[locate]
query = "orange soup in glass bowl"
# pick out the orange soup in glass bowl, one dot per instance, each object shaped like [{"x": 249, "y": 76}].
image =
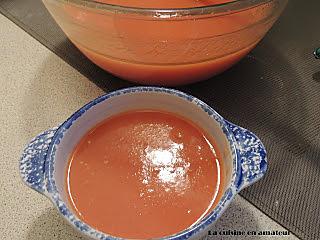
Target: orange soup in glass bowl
[{"x": 165, "y": 42}]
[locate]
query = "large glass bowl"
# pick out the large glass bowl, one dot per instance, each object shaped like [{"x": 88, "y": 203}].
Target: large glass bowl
[{"x": 165, "y": 46}]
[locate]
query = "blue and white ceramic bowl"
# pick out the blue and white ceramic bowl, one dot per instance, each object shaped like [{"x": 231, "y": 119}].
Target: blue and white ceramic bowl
[{"x": 44, "y": 161}]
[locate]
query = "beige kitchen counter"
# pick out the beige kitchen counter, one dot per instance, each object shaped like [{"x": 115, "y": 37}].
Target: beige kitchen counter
[{"x": 37, "y": 91}]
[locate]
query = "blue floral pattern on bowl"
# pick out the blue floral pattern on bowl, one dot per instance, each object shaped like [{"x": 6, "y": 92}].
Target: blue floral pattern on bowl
[{"x": 249, "y": 163}]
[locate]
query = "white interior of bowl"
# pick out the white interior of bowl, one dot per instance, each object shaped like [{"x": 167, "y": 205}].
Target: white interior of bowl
[{"x": 132, "y": 101}]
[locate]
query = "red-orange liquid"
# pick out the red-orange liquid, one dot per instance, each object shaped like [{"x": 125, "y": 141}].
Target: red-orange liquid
[
  {"x": 144, "y": 174},
  {"x": 163, "y": 50},
  {"x": 164, "y": 3}
]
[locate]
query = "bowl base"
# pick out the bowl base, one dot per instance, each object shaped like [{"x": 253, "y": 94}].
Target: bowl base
[{"x": 165, "y": 75}]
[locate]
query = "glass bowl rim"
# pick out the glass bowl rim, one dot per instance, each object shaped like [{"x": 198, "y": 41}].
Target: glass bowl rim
[{"x": 214, "y": 9}]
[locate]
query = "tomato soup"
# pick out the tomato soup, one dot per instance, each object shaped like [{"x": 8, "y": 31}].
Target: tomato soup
[
  {"x": 164, "y": 3},
  {"x": 144, "y": 174},
  {"x": 163, "y": 50}
]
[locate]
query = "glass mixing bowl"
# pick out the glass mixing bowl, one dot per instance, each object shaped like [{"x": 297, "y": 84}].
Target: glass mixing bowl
[{"x": 165, "y": 46}]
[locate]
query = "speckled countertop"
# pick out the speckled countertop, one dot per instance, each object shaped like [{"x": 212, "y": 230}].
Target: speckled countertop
[{"x": 37, "y": 91}]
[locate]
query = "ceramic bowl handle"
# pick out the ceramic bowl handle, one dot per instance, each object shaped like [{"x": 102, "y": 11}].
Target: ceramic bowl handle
[
  {"x": 252, "y": 156},
  {"x": 33, "y": 159}
]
